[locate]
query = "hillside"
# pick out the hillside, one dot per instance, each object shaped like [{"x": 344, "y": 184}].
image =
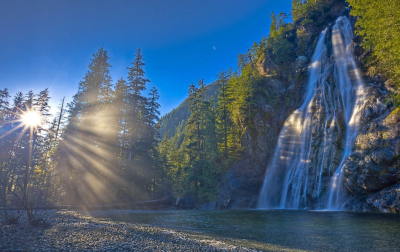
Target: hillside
[{"x": 179, "y": 116}]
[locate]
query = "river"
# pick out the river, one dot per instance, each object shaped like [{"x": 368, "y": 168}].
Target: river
[{"x": 280, "y": 229}]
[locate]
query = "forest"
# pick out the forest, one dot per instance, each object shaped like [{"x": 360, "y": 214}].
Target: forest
[{"x": 105, "y": 147}]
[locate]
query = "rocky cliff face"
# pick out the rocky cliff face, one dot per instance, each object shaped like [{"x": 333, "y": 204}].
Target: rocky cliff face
[
  {"x": 372, "y": 171},
  {"x": 245, "y": 177}
]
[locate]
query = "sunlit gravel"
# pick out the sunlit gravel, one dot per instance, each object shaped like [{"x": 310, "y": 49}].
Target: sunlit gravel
[{"x": 70, "y": 231}]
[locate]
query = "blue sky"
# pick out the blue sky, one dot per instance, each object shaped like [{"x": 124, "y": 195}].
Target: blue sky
[{"x": 49, "y": 43}]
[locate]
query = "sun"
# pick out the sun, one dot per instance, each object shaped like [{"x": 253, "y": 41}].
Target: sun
[{"x": 31, "y": 118}]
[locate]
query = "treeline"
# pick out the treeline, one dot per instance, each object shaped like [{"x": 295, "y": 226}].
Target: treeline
[{"x": 101, "y": 148}]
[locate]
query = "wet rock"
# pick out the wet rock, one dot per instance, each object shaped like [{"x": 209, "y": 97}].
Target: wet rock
[
  {"x": 267, "y": 108},
  {"x": 386, "y": 200},
  {"x": 242, "y": 185},
  {"x": 374, "y": 166},
  {"x": 301, "y": 62}
]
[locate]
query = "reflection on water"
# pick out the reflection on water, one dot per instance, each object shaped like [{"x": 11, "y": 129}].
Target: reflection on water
[{"x": 298, "y": 230}]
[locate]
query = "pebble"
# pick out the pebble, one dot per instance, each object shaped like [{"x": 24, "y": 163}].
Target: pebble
[{"x": 71, "y": 231}]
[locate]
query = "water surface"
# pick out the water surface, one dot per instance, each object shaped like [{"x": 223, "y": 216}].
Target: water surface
[{"x": 282, "y": 229}]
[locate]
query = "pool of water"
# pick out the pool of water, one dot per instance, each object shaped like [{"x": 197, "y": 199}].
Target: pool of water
[{"x": 282, "y": 229}]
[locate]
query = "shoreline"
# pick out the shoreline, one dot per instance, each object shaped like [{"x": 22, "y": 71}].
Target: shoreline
[{"x": 75, "y": 231}]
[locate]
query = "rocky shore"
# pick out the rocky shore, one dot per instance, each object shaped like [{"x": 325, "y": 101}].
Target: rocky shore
[{"x": 72, "y": 231}]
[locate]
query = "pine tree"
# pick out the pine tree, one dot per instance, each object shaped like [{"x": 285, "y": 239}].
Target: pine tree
[
  {"x": 41, "y": 146},
  {"x": 54, "y": 189},
  {"x": 152, "y": 140},
  {"x": 193, "y": 128},
  {"x": 274, "y": 25},
  {"x": 223, "y": 79},
  {"x": 87, "y": 154},
  {"x": 164, "y": 164},
  {"x": 136, "y": 84},
  {"x": 378, "y": 22},
  {"x": 122, "y": 107},
  {"x": 4, "y": 144},
  {"x": 4, "y": 95}
]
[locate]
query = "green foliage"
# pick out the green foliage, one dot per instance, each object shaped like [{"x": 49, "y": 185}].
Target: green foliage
[
  {"x": 310, "y": 11},
  {"x": 223, "y": 124},
  {"x": 169, "y": 122},
  {"x": 280, "y": 43},
  {"x": 303, "y": 40},
  {"x": 282, "y": 50},
  {"x": 207, "y": 175},
  {"x": 378, "y": 22}
]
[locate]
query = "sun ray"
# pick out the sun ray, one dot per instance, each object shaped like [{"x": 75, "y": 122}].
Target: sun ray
[{"x": 12, "y": 130}]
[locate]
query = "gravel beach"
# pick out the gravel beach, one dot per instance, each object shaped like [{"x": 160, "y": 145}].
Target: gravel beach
[{"x": 72, "y": 231}]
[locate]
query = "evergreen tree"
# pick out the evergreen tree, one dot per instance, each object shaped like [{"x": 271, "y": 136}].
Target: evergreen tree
[
  {"x": 87, "y": 155},
  {"x": 193, "y": 129},
  {"x": 273, "y": 29},
  {"x": 378, "y": 22},
  {"x": 122, "y": 107},
  {"x": 136, "y": 125},
  {"x": 223, "y": 79},
  {"x": 136, "y": 84}
]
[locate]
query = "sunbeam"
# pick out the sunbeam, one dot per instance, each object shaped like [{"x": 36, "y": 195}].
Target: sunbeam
[{"x": 31, "y": 118}]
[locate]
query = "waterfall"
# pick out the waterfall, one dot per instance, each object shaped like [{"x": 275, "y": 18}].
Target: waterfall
[
  {"x": 353, "y": 94},
  {"x": 307, "y": 151}
]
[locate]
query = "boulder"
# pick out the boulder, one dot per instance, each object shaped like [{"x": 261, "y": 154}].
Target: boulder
[
  {"x": 386, "y": 201},
  {"x": 266, "y": 66}
]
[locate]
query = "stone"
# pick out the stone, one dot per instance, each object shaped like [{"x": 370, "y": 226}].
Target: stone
[
  {"x": 301, "y": 62},
  {"x": 242, "y": 185},
  {"x": 386, "y": 200},
  {"x": 266, "y": 66},
  {"x": 374, "y": 166}
]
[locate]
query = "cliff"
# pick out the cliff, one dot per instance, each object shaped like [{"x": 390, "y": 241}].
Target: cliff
[{"x": 372, "y": 170}]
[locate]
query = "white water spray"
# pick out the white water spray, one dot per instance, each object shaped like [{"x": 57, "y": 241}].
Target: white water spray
[
  {"x": 296, "y": 172},
  {"x": 353, "y": 94}
]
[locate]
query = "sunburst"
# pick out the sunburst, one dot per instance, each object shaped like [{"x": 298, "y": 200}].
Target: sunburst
[
  {"x": 28, "y": 119},
  {"x": 31, "y": 118}
]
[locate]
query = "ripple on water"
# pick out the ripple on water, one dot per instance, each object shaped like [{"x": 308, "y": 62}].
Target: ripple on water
[{"x": 281, "y": 229}]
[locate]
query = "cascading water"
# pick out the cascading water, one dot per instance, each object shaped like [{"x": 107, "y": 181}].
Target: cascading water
[
  {"x": 286, "y": 177},
  {"x": 353, "y": 94},
  {"x": 307, "y": 150}
]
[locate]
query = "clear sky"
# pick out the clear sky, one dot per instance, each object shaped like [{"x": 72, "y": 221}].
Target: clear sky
[{"x": 48, "y": 43}]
